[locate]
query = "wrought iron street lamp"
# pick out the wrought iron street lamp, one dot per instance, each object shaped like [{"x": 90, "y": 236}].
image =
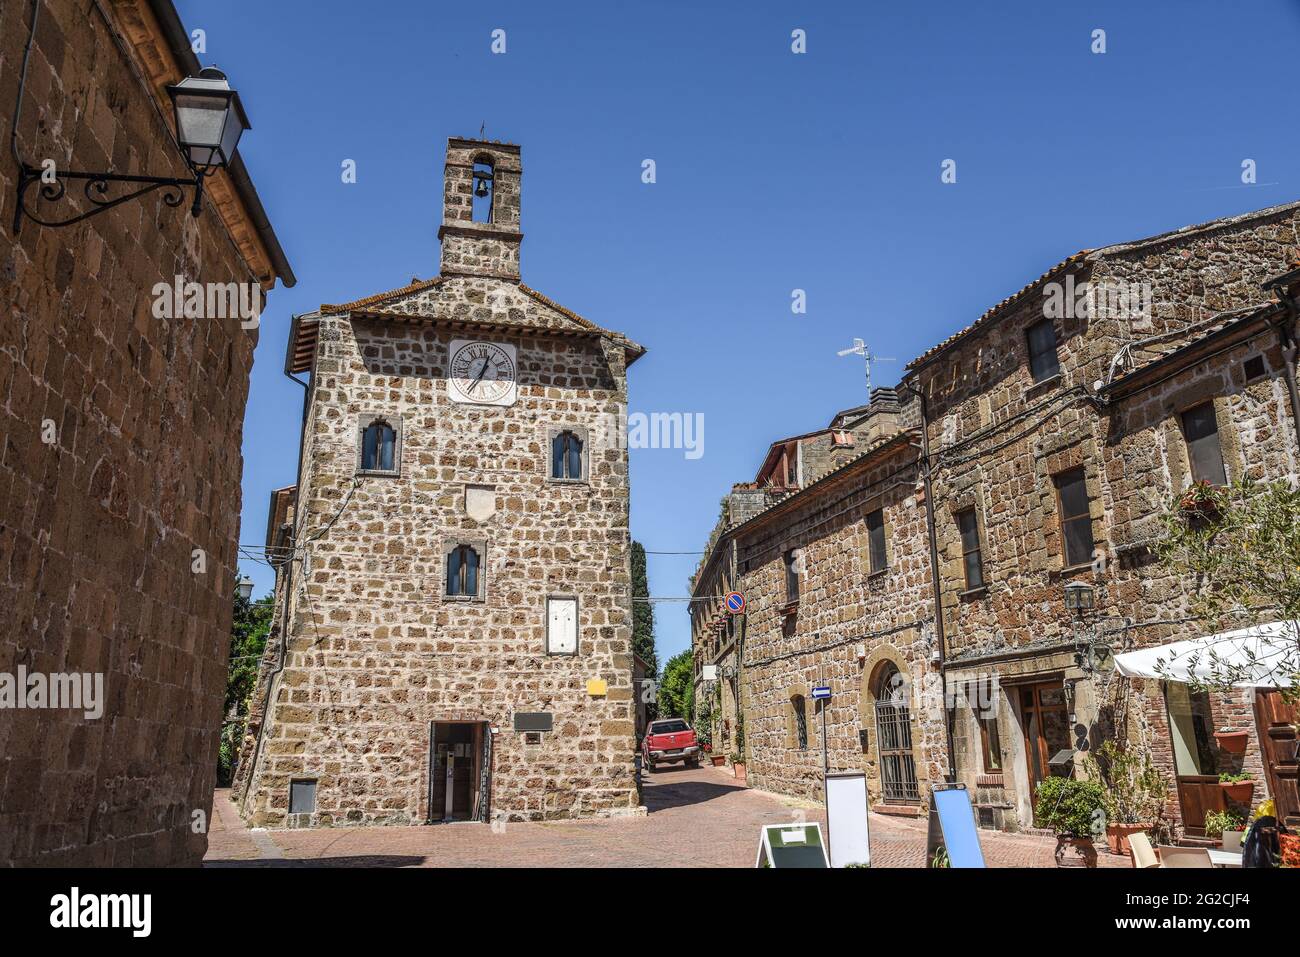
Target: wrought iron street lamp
[
  {"x": 209, "y": 122},
  {"x": 244, "y": 588},
  {"x": 1079, "y": 598}
]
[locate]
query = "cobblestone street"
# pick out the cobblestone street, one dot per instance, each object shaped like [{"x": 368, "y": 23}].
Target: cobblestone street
[{"x": 699, "y": 818}]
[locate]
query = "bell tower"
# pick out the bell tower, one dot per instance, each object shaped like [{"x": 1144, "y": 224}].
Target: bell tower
[{"x": 480, "y": 210}]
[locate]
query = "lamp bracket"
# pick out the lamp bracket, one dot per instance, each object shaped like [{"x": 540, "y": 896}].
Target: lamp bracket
[{"x": 96, "y": 191}]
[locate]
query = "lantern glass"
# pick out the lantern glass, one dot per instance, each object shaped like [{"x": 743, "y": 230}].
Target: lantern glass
[
  {"x": 245, "y": 588},
  {"x": 209, "y": 119},
  {"x": 1078, "y": 597}
]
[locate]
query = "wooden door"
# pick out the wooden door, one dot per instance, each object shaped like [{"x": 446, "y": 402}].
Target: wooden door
[
  {"x": 1275, "y": 722},
  {"x": 1045, "y": 720}
]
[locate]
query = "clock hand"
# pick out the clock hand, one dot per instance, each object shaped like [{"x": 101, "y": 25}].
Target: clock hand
[{"x": 479, "y": 378}]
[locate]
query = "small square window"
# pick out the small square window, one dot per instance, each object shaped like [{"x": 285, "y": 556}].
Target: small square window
[
  {"x": 1254, "y": 368},
  {"x": 302, "y": 797}
]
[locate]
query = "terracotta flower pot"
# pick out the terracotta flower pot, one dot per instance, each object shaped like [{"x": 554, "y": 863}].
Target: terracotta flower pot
[
  {"x": 1234, "y": 742},
  {"x": 1117, "y": 836},
  {"x": 719, "y": 760},
  {"x": 1075, "y": 852},
  {"x": 1239, "y": 791},
  {"x": 739, "y": 770}
]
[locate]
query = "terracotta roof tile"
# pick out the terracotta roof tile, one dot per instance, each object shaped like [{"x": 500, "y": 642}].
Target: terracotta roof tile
[{"x": 416, "y": 285}]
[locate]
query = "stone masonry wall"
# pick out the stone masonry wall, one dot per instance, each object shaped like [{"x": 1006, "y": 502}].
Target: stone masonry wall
[
  {"x": 1000, "y": 438},
  {"x": 98, "y": 527},
  {"x": 841, "y": 605},
  {"x": 376, "y": 652}
]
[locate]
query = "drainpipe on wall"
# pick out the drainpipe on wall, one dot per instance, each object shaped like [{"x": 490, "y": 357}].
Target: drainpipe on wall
[
  {"x": 288, "y": 580},
  {"x": 934, "y": 574}
]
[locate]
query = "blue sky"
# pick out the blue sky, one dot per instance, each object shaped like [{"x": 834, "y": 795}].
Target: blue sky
[{"x": 775, "y": 172}]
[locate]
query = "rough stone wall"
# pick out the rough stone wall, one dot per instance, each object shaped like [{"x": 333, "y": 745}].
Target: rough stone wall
[
  {"x": 98, "y": 529},
  {"x": 376, "y": 652},
  {"x": 841, "y": 605},
  {"x": 1000, "y": 439}
]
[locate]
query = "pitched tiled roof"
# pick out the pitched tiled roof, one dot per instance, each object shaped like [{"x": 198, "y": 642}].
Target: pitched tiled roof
[
  {"x": 1220, "y": 325},
  {"x": 303, "y": 333},
  {"x": 1095, "y": 254},
  {"x": 416, "y": 285},
  {"x": 903, "y": 436},
  {"x": 992, "y": 313}
]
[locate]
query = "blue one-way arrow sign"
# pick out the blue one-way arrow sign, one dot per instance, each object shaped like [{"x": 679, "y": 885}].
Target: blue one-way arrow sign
[{"x": 821, "y": 692}]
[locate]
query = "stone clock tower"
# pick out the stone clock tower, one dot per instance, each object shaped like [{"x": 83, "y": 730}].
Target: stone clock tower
[{"x": 453, "y": 624}]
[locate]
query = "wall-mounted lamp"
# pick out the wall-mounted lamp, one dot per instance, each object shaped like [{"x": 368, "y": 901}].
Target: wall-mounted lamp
[
  {"x": 209, "y": 122},
  {"x": 244, "y": 588},
  {"x": 1080, "y": 598}
]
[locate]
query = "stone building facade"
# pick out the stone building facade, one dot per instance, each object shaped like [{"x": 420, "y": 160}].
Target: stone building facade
[
  {"x": 453, "y": 619},
  {"x": 1057, "y": 434},
  {"x": 120, "y": 479}
]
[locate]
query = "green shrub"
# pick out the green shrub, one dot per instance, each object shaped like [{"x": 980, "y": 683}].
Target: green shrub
[
  {"x": 1226, "y": 778},
  {"x": 1070, "y": 807},
  {"x": 1216, "y": 822},
  {"x": 1134, "y": 792}
]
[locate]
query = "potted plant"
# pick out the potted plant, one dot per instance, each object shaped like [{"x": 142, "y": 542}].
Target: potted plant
[
  {"x": 1074, "y": 810},
  {"x": 1234, "y": 742},
  {"x": 1237, "y": 787},
  {"x": 1200, "y": 500},
  {"x": 738, "y": 767},
  {"x": 1218, "y": 822},
  {"x": 1133, "y": 792}
]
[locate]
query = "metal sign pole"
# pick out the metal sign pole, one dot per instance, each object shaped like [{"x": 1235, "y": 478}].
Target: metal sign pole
[{"x": 826, "y": 768}]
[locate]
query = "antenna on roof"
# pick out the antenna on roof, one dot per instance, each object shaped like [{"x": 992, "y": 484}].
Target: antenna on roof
[{"x": 860, "y": 349}]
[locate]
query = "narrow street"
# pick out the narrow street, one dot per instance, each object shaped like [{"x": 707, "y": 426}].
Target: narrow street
[{"x": 697, "y": 818}]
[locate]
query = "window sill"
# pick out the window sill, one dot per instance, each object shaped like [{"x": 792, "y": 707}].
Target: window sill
[
  {"x": 789, "y": 608},
  {"x": 552, "y": 480},
  {"x": 878, "y": 575},
  {"x": 970, "y": 594},
  {"x": 464, "y": 599},
  {"x": 378, "y": 473},
  {"x": 1069, "y": 571},
  {"x": 1046, "y": 385}
]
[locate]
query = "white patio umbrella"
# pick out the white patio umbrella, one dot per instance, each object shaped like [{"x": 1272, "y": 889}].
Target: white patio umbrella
[{"x": 1263, "y": 656}]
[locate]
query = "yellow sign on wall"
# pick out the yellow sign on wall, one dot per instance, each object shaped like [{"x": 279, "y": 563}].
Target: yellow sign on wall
[{"x": 597, "y": 687}]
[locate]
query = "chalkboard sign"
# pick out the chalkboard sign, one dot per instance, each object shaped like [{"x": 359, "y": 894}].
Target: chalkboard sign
[{"x": 791, "y": 845}]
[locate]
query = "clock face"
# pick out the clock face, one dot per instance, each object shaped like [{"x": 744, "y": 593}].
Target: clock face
[{"x": 482, "y": 373}]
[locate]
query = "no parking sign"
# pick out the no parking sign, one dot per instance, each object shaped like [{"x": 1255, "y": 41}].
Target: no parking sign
[{"x": 735, "y": 602}]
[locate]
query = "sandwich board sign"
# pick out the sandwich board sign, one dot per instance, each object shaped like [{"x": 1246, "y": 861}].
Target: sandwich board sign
[
  {"x": 951, "y": 809},
  {"x": 791, "y": 845},
  {"x": 846, "y": 819}
]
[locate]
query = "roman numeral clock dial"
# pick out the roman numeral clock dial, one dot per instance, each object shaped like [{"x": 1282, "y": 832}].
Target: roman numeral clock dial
[{"x": 482, "y": 373}]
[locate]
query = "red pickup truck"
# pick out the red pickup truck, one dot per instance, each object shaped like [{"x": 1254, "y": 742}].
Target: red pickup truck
[{"x": 669, "y": 740}]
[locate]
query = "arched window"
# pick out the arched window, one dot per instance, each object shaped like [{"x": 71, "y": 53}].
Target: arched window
[
  {"x": 484, "y": 190},
  {"x": 462, "y": 572},
  {"x": 800, "y": 722},
  {"x": 378, "y": 442},
  {"x": 894, "y": 737},
  {"x": 566, "y": 456}
]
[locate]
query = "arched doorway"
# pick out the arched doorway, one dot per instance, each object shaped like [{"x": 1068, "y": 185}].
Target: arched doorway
[{"x": 893, "y": 716}]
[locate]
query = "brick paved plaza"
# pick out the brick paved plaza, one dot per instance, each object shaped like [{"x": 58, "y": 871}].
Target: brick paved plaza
[{"x": 699, "y": 818}]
